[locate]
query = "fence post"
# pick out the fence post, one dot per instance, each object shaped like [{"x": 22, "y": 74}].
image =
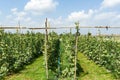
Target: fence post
[
  {"x": 46, "y": 46},
  {"x": 76, "y": 45}
]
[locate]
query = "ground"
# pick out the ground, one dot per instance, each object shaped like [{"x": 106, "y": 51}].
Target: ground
[
  {"x": 93, "y": 71},
  {"x": 36, "y": 71}
]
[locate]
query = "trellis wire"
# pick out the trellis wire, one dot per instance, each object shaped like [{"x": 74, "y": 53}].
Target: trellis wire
[{"x": 35, "y": 28}]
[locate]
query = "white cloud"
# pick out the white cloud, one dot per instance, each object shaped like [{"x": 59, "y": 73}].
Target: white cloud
[
  {"x": 94, "y": 18},
  {"x": 110, "y": 3},
  {"x": 105, "y": 15},
  {"x": 57, "y": 21},
  {"x": 40, "y": 6},
  {"x": 16, "y": 16},
  {"x": 80, "y": 15},
  {"x": 28, "y": 19},
  {"x": 118, "y": 16},
  {"x": 14, "y": 10},
  {"x": 107, "y": 18},
  {"x": 98, "y": 16},
  {"x": 19, "y": 14}
]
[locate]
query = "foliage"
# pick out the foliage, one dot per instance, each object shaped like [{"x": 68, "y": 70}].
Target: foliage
[
  {"x": 53, "y": 53},
  {"x": 67, "y": 56},
  {"x": 103, "y": 52},
  {"x": 17, "y": 50},
  {"x": 61, "y": 56}
]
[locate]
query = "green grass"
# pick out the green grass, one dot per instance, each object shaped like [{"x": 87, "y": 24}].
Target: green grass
[
  {"x": 93, "y": 71},
  {"x": 36, "y": 71}
]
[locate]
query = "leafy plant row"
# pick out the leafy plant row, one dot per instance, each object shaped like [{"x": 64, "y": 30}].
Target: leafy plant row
[
  {"x": 67, "y": 54},
  {"x": 53, "y": 55},
  {"x": 17, "y": 50},
  {"x": 61, "y": 56},
  {"x": 103, "y": 52}
]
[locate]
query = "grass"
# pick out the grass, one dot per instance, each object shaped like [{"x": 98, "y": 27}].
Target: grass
[
  {"x": 36, "y": 71},
  {"x": 93, "y": 71}
]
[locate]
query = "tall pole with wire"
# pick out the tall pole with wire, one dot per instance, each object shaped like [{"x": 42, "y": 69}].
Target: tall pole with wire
[
  {"x": 76, "y": 49},
  {"x": 46, "y": 43}
]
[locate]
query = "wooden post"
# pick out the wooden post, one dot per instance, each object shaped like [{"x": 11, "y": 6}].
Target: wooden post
[
  {"x": 49, "y": 27},
  {"x": 76, "y": 49},
  {"x": 18, "y": 27},
  {"x": 99, "y": 33},
  {"x": 46, "y": 43},
  {"x": 70, "y": 30}
]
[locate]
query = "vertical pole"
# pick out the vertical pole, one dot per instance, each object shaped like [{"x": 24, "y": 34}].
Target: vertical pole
[
  {"x": 19, "y": 24},
  {"x": 46, "y": 42},
  {"x": 70, "y": 30},
  {"x": 46, "y": 30},
  {"x": 76, "y": 49},
  {"x": 49, "y": 27},
  {"x": 18, "y": 27},
  {"x": 99, "y": 33}
]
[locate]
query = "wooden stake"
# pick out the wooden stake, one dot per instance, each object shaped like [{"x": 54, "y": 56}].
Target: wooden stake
[
  {"x": 76, "y": 49},
  {"x": 18, "y": 27},
  {"x": 46, "y": 42},
  {"x": 70, "y": 30}
]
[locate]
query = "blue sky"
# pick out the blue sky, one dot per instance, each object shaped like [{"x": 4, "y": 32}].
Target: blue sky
[{"x": 60, "y": 12}]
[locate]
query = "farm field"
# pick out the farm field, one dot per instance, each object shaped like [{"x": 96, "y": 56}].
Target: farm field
[
  {"x": 59, "y": 40},
  {"x": 89, "y": 71},
  {"x": 19, "y": 50}
]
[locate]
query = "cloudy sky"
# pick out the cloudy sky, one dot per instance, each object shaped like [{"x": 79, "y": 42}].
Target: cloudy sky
[{"x": 60, "y": 12}]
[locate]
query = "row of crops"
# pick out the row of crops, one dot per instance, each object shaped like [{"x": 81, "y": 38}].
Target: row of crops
[
  {"x": 102, "y": 51},
  {"x": 17, "y": 50},
  {"x": 61, "y": 57}
]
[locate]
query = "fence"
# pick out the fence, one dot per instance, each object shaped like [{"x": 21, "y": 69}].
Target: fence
[{"x": 46, "y": 28}]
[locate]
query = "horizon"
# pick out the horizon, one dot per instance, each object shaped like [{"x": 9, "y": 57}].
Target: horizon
[{"x": 61, "y": 13}]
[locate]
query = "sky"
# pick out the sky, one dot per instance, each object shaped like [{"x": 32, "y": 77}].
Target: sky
[{"x": 61, "y": 13}]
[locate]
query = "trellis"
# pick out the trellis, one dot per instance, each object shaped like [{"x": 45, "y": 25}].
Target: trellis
[{"x": 46, "y": 28}]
